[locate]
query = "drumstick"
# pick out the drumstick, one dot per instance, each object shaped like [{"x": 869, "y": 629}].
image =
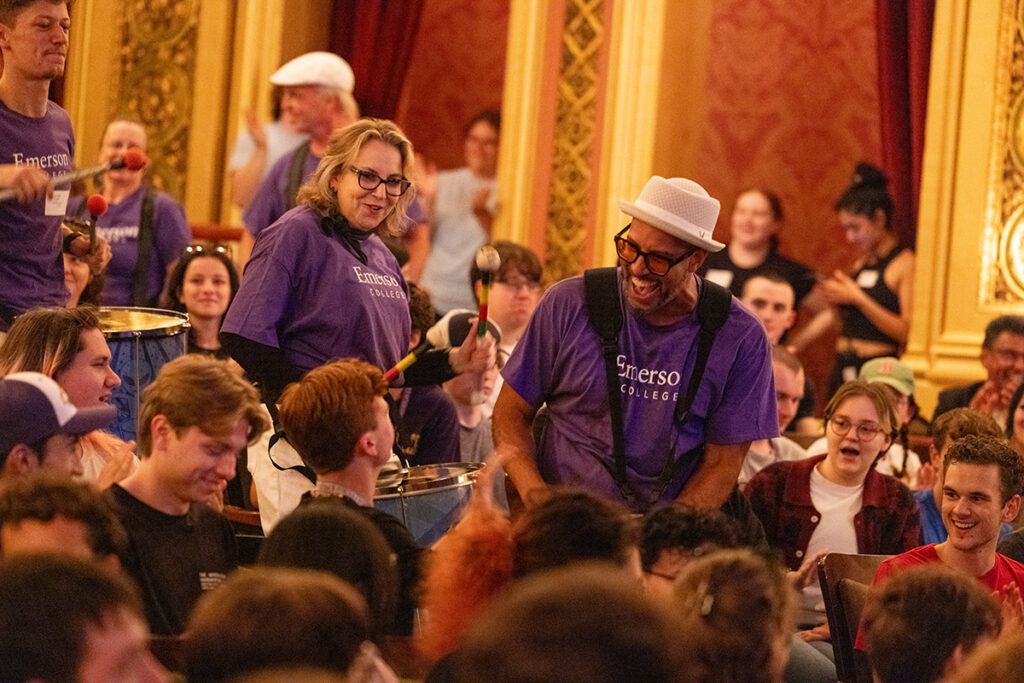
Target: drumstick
[
  {"x": 487, "y": 261},
  {"x": 401, "y": 365},
  {"x": 133, "y": 160},
  {"x": 97, "y": 206}
]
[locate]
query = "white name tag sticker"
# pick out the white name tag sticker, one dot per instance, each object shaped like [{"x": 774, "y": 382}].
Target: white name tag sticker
[
  {"x": 719, "y": 277},
  {"x": 57, "y": 205},
  {"x": 867, "y": 279}
]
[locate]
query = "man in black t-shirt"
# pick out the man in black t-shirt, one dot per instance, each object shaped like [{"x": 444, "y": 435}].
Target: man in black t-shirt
[
  {"x": 337, "y": 419},
  {"x": 196, "y": 417}
]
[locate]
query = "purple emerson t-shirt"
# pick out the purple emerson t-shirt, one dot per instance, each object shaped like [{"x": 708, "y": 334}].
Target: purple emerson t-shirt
[
  {"x": 270, "y": 202},
  {"x": 559, "y": 360},
  {"x": 305, "y": 293},
  {"x": 120, "y": 226},
  {"x": 31, "y": 267}
]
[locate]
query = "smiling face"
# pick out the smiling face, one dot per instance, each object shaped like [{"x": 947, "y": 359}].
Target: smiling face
[
  {"x": 972, "y": 507},
  {"x": 120, "y": 137},
  {"x": 305, "y": 107},
  {"x": 850, "y": 455},
  {"x": 1004, "y": 360},
  {"x": 35, "y": 43},
  {"x": 89, "y": 379},
  {"x": 195, "y": 465},
  {"x": 752, "y": 223},
  {"x": 367, "y": 209},
  {"x": 206, "y": 288},
  {"x": 482, "y": 150},
  {"x": 660, "y": 299},
  {"x": 76, "y": 276}
]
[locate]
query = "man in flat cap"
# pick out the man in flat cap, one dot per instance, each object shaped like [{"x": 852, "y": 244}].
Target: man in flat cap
[
  {"x": 317, "y": 98},
  {"x": 682, "y": 368}
]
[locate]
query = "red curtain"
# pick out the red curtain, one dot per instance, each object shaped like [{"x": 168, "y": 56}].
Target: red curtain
[
  {"x": 376, "y": 37},
  {"x": 904, "y": 55}
]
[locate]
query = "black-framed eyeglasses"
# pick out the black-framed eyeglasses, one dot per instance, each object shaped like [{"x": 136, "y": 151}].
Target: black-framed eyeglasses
[
  {"x": 659, "y": 264},
  {"x": 368, "y": 180},
  {"x": 866, "y": 431}
]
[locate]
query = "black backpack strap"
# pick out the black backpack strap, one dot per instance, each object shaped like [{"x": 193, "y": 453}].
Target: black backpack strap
[
  {"x": 713, "y": 307},
  {"x": 601, "y": 292},
  {"x": 278, "y": 434},
  {"x": 295, "y": 174},
  {"x": 145, "y": 249}
]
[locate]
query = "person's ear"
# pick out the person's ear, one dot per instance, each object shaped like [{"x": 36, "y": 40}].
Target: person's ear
[
  {"x": 366, "y": 444},
  {"x": 160, "y": 430},
  {"x": 1011, "y": 508},
  {"x": 790, "y": 320},
  {"x": 21, "y": 460}
]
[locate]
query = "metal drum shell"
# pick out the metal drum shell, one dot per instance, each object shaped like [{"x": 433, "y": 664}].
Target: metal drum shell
[
  {"x": 141, "y": 341},
  {"x": 428, "y": 499}
]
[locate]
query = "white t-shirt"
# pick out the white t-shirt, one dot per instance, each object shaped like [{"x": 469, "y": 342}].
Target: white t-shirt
[{"x": 835, "y": 533}]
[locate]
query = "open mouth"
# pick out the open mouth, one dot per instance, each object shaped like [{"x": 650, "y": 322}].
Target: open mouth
[
  {"x": 963, "y": 525},
  {"x": 850, "y": 452},
  {"x": 642, "y": 288}
]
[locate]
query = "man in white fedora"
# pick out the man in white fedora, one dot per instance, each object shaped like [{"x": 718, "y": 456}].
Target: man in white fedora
[
  {"x": 316, "y": 97},
  {"x": 682, "y": 438}
]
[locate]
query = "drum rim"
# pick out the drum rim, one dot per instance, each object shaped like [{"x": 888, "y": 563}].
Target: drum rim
[
  {"x": 182, "y": 324},
  {"x": 466, "y": 476}
]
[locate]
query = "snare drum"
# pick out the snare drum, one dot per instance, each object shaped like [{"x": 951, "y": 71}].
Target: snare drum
[
  {"x": 141, "y": 340},
  {"x": 429, "y": 499}
]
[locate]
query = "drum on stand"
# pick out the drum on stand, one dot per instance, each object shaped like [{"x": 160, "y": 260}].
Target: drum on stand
[
  {"x": 141, "y": 341},
  {"x": 429, "y": 499}
]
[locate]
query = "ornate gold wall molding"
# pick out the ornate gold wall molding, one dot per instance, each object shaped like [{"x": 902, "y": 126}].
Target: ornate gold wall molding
[
  {"x": 155, "y": 81},
  {"x": 1002, "y": 273},
  {"x": 575, "y": 137}
]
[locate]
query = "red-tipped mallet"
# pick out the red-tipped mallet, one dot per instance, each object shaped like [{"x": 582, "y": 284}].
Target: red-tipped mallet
[
  {"x": 97, "y": 206},
  {"x": 487, "y": 262},
  {"x": 133, "y": 160}
]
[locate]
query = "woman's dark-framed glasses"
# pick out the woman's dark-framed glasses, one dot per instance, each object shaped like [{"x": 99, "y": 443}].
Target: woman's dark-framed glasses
[
  {"x": 865, "y": 430},
  {"x": 368, "y": 180},
  {"x": 629, "y": 251}
]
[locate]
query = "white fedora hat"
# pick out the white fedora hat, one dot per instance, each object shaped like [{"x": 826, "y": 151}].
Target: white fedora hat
[
  {"x": 678, "y": 206},
  {"x": 316, "y": 68}
]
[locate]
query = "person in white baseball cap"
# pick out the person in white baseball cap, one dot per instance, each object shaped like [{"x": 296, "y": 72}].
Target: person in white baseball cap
[
  {"x": 40, "y": 427},
  {"x": 316, "y": 99},
  {"x": 689, "y": 373}
]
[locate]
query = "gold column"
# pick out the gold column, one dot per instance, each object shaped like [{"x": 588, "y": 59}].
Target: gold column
[{"x": 970, "y": 265}]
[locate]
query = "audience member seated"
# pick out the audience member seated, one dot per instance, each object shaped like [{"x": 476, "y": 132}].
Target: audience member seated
[
  {"x": 737, "y": 610},
  {"x": 484, "y": 552},
  {"x": 426, "y": 424},
  {"x": 83, "y": 276},
  {"x": 146, "y": 228},
  {"x": 514, "y": 294},
  {"x": 789, "y": 389},
  {"x": 337, "y": 419},
  {"x": 46, "y": 513},
  {"x": 1002, "y": 660},
  {"x": 271, "y": 618},
  {"x": 460, "y": 205},
  {"x": 924, "y": 621},
  {"x": 838, "y": 502},
  {"x": 68, "y": 346},
  {"x": 981, "y": 491},
  {"x": 1015, "y": 422},
  {"x": 335, "y": 539},
  {"x": 946, "y": 430},
  {"x": 1002, "y": 356},
  {"x": 66, "y": 619},
  {"x": 770, "y": 297},
  {"x": 202, "y": 284},
  {"x": 578, "y": 624},
  {"x": 40, "y": 429},
  {"x": 195, "y": 418},
  {"x": 897, "y": 379}
]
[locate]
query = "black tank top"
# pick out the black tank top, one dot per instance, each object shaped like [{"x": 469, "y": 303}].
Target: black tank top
[{"x": 871, "y": 279}]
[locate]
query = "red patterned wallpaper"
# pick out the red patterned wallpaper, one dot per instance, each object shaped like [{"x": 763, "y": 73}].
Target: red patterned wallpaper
[
  {"x": 457, "y": 69},
  {"x": 792, "y": 104}
]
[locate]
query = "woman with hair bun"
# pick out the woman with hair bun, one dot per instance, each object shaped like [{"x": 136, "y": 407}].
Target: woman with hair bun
[{"x": 874, "y": 304}]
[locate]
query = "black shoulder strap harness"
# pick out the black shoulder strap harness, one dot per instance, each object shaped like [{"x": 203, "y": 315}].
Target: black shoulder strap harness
[
  {"x": 278, "y": 434},
  {"x": 295, "y": 174},
  {"x": 604, "y": 309},
  {"x": 145, "y": 250}
]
